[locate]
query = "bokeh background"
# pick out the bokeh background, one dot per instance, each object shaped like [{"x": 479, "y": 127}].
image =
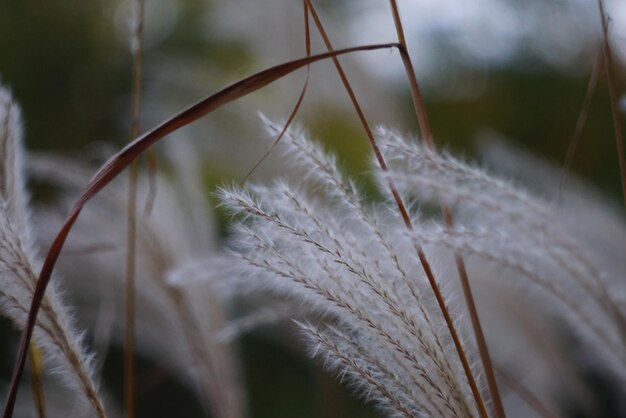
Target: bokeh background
[{"x": 489, "y": 68}]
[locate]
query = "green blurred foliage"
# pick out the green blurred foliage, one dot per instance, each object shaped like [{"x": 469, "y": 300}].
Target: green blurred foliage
[
  {"x": 536, "y": 111},
  {"x": 61, "y": 60},
  {"x": 294, "y": 389}
]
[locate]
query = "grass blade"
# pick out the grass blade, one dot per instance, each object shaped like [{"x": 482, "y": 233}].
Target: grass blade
[
  {"x": 131, "y": 237},
  {"x": 422, "y": 117},
  {"x": 582, "y": 120},
  {"x": 610, "y": 72},
  {"x": 294, "y": 111},
  {"x": 111, "y": 169}
]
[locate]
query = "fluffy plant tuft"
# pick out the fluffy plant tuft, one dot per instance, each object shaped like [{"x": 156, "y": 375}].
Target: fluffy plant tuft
[
  {"x": 353, "y": 262},
  {"x": 19, "y": 266},
  {"x": 519, "y": 233}
]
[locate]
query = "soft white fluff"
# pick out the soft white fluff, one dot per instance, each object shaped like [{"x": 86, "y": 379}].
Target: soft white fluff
[
  {"x": 19, "y": 266},
  {"x": 341, "y": 257},
  {"x": 177, "y": 313},
  {"x": 517, "y": 231},
  {"x": 355, "y": 263}
]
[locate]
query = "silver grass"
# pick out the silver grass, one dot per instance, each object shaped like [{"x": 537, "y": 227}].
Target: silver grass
[
  {"x": 177, "y": 316},
  {"x": 353, "y": 262},
  {"x": 603, "y": 230},
  {"x": 19, "y": 267},
  {"x": 256, "y": 307},
  {"x": 350, "y": 262},
  {"x": 518, "y": 232}
]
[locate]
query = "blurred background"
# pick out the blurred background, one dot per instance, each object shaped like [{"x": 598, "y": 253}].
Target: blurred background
[{"x": 516, "y": 70}]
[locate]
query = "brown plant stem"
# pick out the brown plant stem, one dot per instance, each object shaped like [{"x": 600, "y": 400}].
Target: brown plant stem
[
  {"x": 526, "y": 395},
  {"x": 619, "y": 142},
  {"x": 610, "y": 73},
  {"x": 582, "y": 120},
  {"x": 294, "y": 111},
  {"x": 416, "y": 95},
  {"x": 422, "y": 117},
  {"x": 131, "y": 237},
  {"x": 402, "y": 207},
  {"x": 122, "y": 159}
]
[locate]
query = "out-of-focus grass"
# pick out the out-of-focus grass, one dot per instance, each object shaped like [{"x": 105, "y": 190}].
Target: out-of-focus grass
[{"x": 71, "y": 74}]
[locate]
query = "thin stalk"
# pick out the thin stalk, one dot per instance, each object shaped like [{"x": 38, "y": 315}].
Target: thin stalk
[
  {"x": 294, "y": 111},
  {"x": 610, "y": 73},
  {"x": 200, "y": 355},
  {"x": 131, "y": 237},
  {"x": 416, "y": 95},
  {"x": 422, "y": 117},
  {"x": 123, "y": 158},
  {"x": 404, "y": 212},
  {"x": 582, "y": 119},
  {"x": 620, "y": 319},
  {"x": 131, "y": 255}
]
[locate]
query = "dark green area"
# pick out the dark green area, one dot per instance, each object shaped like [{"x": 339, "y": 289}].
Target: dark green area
[
  {"x": 158, "y": 393},
  {"x": 287, "y": 384},
  {"x": 62, "y": 62},
  {"x": 538, "y": 113}
]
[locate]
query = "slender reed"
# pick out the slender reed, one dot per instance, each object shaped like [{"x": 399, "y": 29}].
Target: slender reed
[
  {"x": 53, "y": 332},
  {"x": 111, "y": 169},
  {"x": 131, "y": 238},
  {"x": 400, "y": 203},
  {"x": 422, "y": 117},
  {"x": 617, "y": 121}
]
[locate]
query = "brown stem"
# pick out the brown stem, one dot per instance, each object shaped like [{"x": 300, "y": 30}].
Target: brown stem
[
  {"x": 422, "y": 117},
  {"x": 582, "y": 119},
  {"x": 416, "y": 95},
  {"x": 617, "y": 124},
  {"x": 294, "y": 111},
  {"x": 131, "y": 237},
  {"x": 111, "y": 169},
  {"x": 402, "y": 207}
]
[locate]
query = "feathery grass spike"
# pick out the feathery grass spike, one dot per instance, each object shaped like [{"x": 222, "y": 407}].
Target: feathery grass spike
[
  {"x": 53, "y": 331},
  {"x": 117, "y": 163},
  {"x": 339, "y": 257}
]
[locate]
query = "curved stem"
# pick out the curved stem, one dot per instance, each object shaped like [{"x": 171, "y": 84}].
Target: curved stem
[{"x": 114, "y": 166}]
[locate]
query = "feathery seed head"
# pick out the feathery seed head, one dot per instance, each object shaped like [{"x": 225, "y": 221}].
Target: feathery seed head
[
  {"x": 356, "y": 263},
  {"x": 19, "y": 265},
  {"x": 337, "y": 255}
]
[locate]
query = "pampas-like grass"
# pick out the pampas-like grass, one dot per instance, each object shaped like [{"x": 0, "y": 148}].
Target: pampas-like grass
[
  {"x": 348, "y": 259},
  {"x": 341, "y": 258},
  {"x": 177, "y": 314},
  {"x": 321, "y": 243},
  {"x": 517, "y": 231},
  {"x": 19, "y": 266}
]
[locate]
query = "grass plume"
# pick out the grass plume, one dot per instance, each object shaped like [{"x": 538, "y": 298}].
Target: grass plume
[{"x": 54, "y": 331}]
